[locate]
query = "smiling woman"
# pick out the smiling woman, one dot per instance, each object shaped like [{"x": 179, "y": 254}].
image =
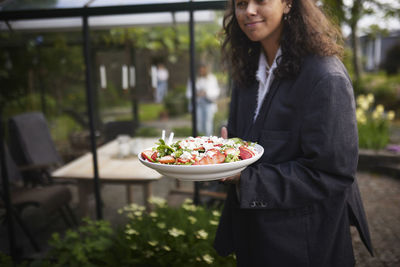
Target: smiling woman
[
  {"x": 291, "y": 95},
  {"x": 310, "y": 30}
]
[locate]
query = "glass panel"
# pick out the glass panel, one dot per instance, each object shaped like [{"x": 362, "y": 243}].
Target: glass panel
[
  {"x": 132, "y": 2},
  {"x": 42, "y": 4},
  {"x": 45, "y": 69},
  {"x": 150, "y": 19},
  {"x": 44, "y": 24},
  {"x": 50, "y": 4}
]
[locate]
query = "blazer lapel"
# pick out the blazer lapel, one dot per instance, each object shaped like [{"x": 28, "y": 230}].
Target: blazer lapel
[
  {"x": 262, "y": 115},
  {"x": 250, "y": 100}
]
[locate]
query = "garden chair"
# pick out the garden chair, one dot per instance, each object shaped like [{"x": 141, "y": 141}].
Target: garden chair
[
  {"x": 50, "y": 199},
  {"x": 114, "y": 128},
  {"x": 31, "y": 144}
]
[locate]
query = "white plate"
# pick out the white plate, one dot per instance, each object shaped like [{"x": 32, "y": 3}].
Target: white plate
[{"x": 203, "y": 172}]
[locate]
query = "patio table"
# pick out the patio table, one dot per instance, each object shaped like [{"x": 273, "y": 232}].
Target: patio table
[{"x": 112, "y": 169}]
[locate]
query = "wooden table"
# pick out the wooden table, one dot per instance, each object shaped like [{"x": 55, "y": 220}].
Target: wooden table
[{"x": 112, "y": 169}]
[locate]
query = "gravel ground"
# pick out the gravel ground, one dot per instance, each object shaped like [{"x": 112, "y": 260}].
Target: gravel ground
[{"x": 381, "y": 197}]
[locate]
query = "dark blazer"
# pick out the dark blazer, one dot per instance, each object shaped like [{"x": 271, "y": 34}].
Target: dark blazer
[{"x": 298, "y": 201}]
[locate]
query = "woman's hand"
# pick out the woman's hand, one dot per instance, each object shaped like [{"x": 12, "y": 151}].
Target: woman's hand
[
  {"x": 233, "y": 179},
  {"x": 224, "y": 132}
]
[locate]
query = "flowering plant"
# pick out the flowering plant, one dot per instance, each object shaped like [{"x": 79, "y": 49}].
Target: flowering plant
[
  {"x": 171, "y": 236},
  {"x": 373, "y": 123},
  {"x": 166, "y": 236}
]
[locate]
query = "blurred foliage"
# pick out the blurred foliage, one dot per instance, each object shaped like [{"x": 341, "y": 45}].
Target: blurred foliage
[
  {"x": 89, "y": 245},
  {"x": 173, "y": 39},
  {"x": 63, "y": 126},
  {"x": 148, "y": 132},
  {"x": 384, "y": 88},
  {"x": 182, "y": 131},
  {"x": 29, "y": 68},
  {"x": 150, "y": 111},
  {"x": 175, "y": 102},
  {"x": 351, "y": 12}
]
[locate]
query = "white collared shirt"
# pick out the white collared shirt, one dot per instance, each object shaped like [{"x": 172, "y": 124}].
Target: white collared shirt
[{"x": 265, "y": 76}]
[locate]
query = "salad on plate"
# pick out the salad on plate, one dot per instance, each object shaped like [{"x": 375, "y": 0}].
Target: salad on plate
[{"x": 202, "y": 150}]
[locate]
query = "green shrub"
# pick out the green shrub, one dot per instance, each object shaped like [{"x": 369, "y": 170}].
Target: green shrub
[
  {"x": 148, "y": 132},
  {"x": 171, "y": 236},
  {"x": 62, "y": 127},
  {"x": 182, "y": 131},
  {"x": 175, "y": 102},
  {"x": 90, "y": 245},
  {"x": 164, "y": 237},
  {"x": 373, "y": 123},
  {"x": 150, "y": 111}
]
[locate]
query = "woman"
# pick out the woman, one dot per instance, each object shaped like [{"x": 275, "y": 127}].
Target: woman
[{"x": 293, "y": 96}]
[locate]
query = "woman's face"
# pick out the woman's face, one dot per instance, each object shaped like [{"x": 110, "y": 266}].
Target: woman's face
[{"x": 261, "y": 20}]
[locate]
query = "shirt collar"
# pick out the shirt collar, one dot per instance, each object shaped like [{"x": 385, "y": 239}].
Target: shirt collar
[{"x": 263, "y": 66}]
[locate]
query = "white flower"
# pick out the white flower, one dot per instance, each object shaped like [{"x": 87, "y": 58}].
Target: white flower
[
  {"x": 189, "y": 207},
  {"x": 391, "y": 115},
  {"x": 208, "y": 259},
  {"x": 175, "y": 232},
  {"x": 201, "y": 234},
  {"x": 153, "y": 214},
  {"x": 131, "y": 232},
  {"x": 153, "y": 243},
  {"x": 376, "y": 115},
  {"x": 360, "y": 112},
  {"x": 380, "y": 109},
  {"x": 360, "y": 115},
  {"x": 133, "y": 207},
  {"x": 216, "y": 213},
  {"x": 362, "y": 120},
  {"x": 192, "y": 219},
  {"x": 166, "y": 248},
  {"x": 158, "y": 201},
  {"x": 188, "y": 201},
  {"x": 363, "y": 102},
  {"x": 138, "y": 213},
  {"x": 212, "y": 222},
  {"x": 370, "y": 98}
]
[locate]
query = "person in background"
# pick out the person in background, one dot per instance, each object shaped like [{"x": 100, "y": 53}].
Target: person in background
[
  {"x": 293, "y": 96},
  {"x": 207, "y": 92},
  {"x": 162, "y": 76}
]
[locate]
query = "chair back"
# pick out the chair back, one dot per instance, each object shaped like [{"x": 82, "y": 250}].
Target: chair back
[
  {"x": 30, "y": 140},
  {"x": 114, "y": 128},
  {"x": 13, "y": 174}
]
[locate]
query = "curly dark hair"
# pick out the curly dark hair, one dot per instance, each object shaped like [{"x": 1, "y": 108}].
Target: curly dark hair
[{"x": 306, "y": 31}]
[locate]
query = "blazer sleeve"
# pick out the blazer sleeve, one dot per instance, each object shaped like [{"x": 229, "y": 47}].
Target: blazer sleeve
[{"x": 329, "y": 153}]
